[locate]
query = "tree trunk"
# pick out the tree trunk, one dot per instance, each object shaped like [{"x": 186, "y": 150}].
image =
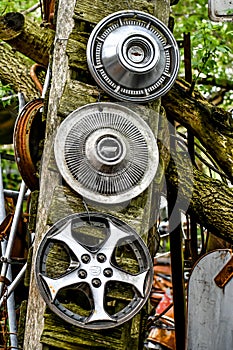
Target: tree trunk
[{"x": 49, "y": 179}]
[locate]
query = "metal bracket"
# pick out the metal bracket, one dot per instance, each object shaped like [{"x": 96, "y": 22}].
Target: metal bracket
[{"x": 225, "y": 274}]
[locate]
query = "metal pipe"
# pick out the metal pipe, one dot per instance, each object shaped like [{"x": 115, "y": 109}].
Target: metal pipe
[
  {"x": 2, "y": 201},
  {"x": 46, "y": 82},
  {"x": 14, "y": 194},
  {"x": 12, "y": 234},
  {"x": 176, "y": 247},
  {"x": 11, "y": 300},
  {"x": 178, "y": 287},
  {"x": 13, "y": 284}
]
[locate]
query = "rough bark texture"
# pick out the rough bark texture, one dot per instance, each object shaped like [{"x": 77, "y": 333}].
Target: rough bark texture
[
  {"x": 16, "y": 72},
  {"x": 27, "y": 37},
  {"x": 211, "y": 125},
  {"x": 212, "y": 207}
]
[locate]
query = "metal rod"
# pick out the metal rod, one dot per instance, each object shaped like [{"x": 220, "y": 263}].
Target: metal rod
[
  {"x": 11, "y": 307},
  {"x": 14, "y": 194},
  {"x": 191, "y": 142},
  {"x": 12, "y": 234},
  {"x": 11, "y": 300},
  {"x": 14, "y": 284},
  {"x": 47, "y": 82},
  {"x": 176, "y": 246},
  {"x": 178, "y": 287}
]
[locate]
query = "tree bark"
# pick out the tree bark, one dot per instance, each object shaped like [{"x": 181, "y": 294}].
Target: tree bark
[
  {"x": 27, "y": 37},
  {"x": 211, "y": 125},
  {"x": 16, "y": 72},
  {"x": 49, "y": 179},
  {"x": 208, "y": 199}
]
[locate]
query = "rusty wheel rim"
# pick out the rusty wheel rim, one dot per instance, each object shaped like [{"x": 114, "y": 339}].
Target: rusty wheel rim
[{"x": 28, "y": 133}]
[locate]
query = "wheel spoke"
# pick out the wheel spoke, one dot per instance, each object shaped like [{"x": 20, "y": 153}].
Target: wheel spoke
[
  {"x": 54, "y": 285},
  {"x": 115, "y": 235},
  {"x": 65, "y": 235},
  {"x": 138, "y": 281},
  {"x": 99, "y": 313}
]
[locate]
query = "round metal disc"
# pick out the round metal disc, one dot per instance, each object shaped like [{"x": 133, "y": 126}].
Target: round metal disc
[
  {"x": 133, "y": 56},
  {"x": 106, "y": 152},
  {"x": 93, "y": 270}
]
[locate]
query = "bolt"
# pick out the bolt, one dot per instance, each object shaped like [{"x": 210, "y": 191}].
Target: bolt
[
  {"x": 101, "y": 258},
  {"x": 96, "y": 282},
  {"x": 82, "y": 274},
  {"x": 85, "y": 258},
  {"x": 108, "y": 272}
]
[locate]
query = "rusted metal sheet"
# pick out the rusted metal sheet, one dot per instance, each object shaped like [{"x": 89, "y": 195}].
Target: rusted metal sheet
[
  {"x": 210, "y": 308},
  {"x": 220, "y": 10}
]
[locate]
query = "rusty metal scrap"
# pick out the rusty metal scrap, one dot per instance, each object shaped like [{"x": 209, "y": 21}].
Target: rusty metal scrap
[
  {"x": 34, "y": 74},
  {"x": 225, "y": 274},
  {"x": 26, "y": 144}
]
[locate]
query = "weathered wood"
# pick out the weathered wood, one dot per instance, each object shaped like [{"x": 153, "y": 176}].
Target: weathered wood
[
  {"x": 49, "y": 179},
  {"x": 93, "y": 11},
  {"x": 210, "y": 310}
]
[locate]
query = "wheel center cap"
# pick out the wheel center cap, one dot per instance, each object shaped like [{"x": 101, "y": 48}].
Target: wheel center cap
[
  {"x": 109, "y": 149},
  {"x": 136, "y": 54}
]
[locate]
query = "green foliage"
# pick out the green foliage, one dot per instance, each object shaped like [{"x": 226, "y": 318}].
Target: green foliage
[
  {"x": 15, "y": 6},
  {"x": 212, "y": 52},
  {"x": 5, "y": 92},
  {"x": 10, "y": 174}
]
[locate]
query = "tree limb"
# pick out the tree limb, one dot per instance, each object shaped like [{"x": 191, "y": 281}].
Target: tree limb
[
  {"x": 210, "y": 199},
  {"x": 211, "y": 125},
  {"x": 27, "y": 37},
  {"x": 222, "y": 83},
  {"x": 16, "y": 72}
]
